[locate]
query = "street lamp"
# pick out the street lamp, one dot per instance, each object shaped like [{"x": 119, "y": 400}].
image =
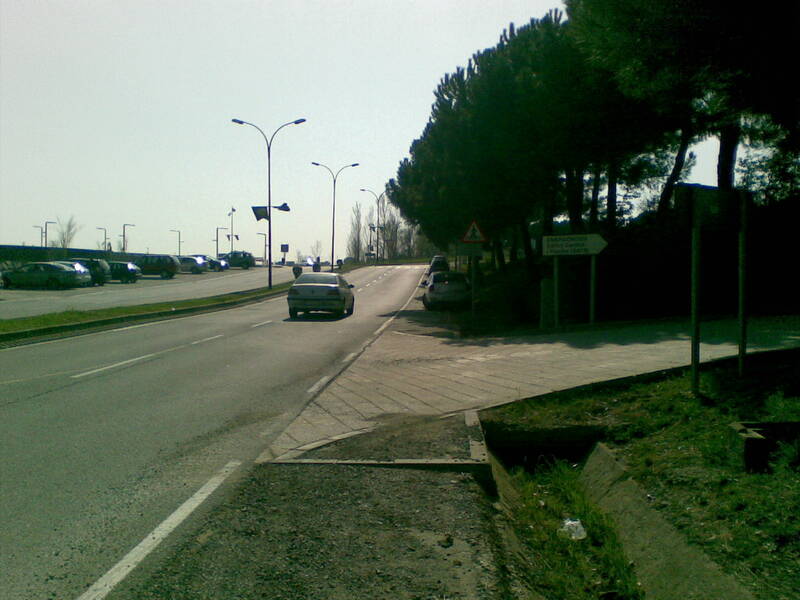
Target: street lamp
[
  {"x": 268, "y": 140},
  {"x": 41, "y": 233},
  {"x": 105, "y": 238},
  {"x": 179, "y": 239},
  {"x": 46, "y": 223},
  {"x": 333, "y": 227},
  {"x": 124, "y": 236},
  {"x": 265, "y": 245},
  {"x": 377, "y": 221},
  {"x": 216, "y": 240}
]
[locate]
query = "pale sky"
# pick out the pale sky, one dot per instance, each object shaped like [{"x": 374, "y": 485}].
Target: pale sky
[{"x": 119, "y": 111}]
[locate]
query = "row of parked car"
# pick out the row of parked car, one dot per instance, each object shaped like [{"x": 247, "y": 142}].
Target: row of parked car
[
  {"x": 445, "y": 288},
  {"x": 75, "y": 272}
]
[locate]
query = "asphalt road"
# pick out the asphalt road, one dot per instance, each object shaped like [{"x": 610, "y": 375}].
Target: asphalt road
[
  {"x": 16, "y": 303},
  {"x": 103, "y": 436}
]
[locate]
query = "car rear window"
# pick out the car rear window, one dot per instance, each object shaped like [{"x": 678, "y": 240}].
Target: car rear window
[
  {"x": 443, "y": 276},
  {"x": 329, "y": 278}
]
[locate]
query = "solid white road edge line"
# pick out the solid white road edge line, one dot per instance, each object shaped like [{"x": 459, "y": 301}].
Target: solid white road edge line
[
  {"x": 314, "y": 388},
  {"x": 103, "y": 586}
]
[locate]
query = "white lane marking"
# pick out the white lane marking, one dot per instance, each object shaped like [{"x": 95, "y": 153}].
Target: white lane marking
[
  {"x": 316, "y": 387},
  {"x": 130, "y": 360},
  {"x": 138, "y": 326},
  {"x": 119, "y": 364},
  {"x": 103, "y": 586},
  {"x": 262, "y": 323},
  {"x": 394, "y": 316},
  {"x": 208, "y": 339}
]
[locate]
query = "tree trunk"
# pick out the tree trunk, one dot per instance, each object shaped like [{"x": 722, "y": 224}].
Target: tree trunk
[
  {"x": 677, "y": 168},
  {"x": 593, "y": 207},
  {"x": 729, "y": 136},
  {"x": 575, "y": 200},
  {"x": 530, "y": 264},
  {"x": 611, "y": 200},
  {"x": 499, "y": 255}
]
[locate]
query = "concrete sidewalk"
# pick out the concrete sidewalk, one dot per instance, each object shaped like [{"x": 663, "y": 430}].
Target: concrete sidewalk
[{"x": 418, "y": 368}]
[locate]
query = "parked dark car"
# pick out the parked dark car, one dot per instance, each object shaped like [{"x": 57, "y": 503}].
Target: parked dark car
[
  {"x": 163, "y": 265},
  {"x": 126, "y": 272},
  {"x": 51, "y": 275},
  {"x": 239, "y": 258},
  {"x": 215, "y": 264},
  {"x": 98, "y": 269},
  {"x": 193, "y": 264}
]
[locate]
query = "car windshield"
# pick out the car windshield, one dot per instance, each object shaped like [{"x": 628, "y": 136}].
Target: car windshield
[{"x": 329, "y": 278}]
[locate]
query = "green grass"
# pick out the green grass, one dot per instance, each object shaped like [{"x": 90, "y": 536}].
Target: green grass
[
  {"x": 558, "y": 566},
  {"x": 680, "y": 450},
  {"x": 75, "y": 317}
]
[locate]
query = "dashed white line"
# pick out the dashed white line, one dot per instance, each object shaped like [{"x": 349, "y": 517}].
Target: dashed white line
[
  {"x": 103, "y": 586},
  {"x": 107, "y": 367},
  {"x": 208, "y": 339},
  {"x": 262, "y": 323}
]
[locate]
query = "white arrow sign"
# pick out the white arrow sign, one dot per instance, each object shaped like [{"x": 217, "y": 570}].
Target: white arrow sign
[{"x": 573, "y": 245}]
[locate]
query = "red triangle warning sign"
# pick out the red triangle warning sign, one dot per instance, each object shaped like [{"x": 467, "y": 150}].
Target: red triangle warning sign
[{"x": 474, "y": 235}]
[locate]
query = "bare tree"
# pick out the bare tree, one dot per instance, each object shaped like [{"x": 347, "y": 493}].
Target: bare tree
[
  {"x": 66, "y": 232},
  {"x": 316, "y": 250},
  {"x": 355, "y": 242}
]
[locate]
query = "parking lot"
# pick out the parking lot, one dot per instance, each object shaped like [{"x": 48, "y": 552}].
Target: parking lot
[{"x": 150, "y": 289}]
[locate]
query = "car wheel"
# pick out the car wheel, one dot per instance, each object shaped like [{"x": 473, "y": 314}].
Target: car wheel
[
  {"x": 352, "y": 308},
  {"x": 292, "y": 313},
  {"x": 165, "y": 274}
]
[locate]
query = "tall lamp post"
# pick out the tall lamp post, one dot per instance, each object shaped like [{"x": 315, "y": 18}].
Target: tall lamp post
[
  {"x": 105, "y": 238},
  {"x": 377, "y": 221},
  {"x": 46, "y": 223},
  {"x": 179, "y": 239},
  {"x": 333, "y": 226},
  {"x": 265, "y": 244},
  {"x": 216, "y": 239},
  {"x": 268, "y": 140},
  {"x": 125, "y": 236}
]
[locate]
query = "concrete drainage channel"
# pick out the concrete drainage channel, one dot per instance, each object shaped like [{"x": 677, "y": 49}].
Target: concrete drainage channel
[{"x": 666, "y": 566}]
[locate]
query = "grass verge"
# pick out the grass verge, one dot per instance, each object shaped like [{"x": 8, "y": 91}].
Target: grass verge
[
  {"x": 76, "y": 317},
  {"x": 679, "y": 450}
]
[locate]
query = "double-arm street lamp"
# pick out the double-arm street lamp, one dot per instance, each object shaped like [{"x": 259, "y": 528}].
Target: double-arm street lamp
[
  {"x": 125, "y": 236},
  {"x": 216, "y": 239},
  {"x": 333, "y": 227},
  {"x": 179, "y": 239},
  {"x": 46, "y": 223},
  {"x": 268, "y": 140},
  {"x": 377, "y": 221},
  {"x": 105, "y": 238}
]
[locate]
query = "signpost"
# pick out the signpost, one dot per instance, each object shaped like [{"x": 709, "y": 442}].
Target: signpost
[
  {"x": 590, "y": 244},
  {"x": 473, "y": 239}
]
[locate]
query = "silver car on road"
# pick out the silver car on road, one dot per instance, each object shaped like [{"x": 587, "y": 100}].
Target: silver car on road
[{"x": 327, "y": 292}]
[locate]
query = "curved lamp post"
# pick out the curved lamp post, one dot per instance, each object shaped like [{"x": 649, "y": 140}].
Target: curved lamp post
[
  {"x": 124, "y": 236},
  {"x": 377, "y": 221},
  {"x": 268, "y": 140},
  {"x": 333, "y": 227},
  {"x": 178, "y": 231},
  {"x": 46, "y": 223}
]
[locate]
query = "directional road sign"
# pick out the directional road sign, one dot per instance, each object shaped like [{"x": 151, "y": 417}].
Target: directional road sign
[{"x": 573, "y": 245}]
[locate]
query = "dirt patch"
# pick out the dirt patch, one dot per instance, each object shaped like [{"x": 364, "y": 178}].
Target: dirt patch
[
  {"x": 341, "y": 533},
  {"x": 405, "y": 436}
]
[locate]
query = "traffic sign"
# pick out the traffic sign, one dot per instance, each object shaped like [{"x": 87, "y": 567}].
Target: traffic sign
[
  {"x": 473, "y": 234},
  {"x": 573, "y": 245}
]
